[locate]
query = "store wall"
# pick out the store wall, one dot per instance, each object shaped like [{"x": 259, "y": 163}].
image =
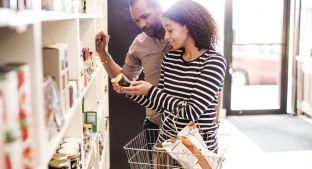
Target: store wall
[{"x": 125, "y": 116}]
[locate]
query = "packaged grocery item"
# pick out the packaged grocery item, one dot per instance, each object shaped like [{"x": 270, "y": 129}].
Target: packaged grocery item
[
  {"x": 54, "y": 114},
  {"x": 72, "y": 156},
  {"x": 10, "y": 118},
  {"x": 122, "y": 80},
  {"x": 55, "y": 64},
  {"x": 91, "y": 118},
  {"x": 25, "y": 110}
]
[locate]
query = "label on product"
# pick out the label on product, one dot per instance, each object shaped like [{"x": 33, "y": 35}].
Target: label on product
[{"x": 91, "y": 118}]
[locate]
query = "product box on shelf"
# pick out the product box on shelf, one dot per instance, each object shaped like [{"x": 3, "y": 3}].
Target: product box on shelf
[
  {"x": 91, "y": 118},
  {"x": 55, "y": 64},
  {"x": 11, "y": 124},
  {"x": 25, "y": 111},
  {"x": 73, "y": 92},
  {"x": 54, "y": 114}
]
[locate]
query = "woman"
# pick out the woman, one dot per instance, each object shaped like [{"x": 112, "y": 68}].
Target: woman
[{"x": 192, "y": 74}]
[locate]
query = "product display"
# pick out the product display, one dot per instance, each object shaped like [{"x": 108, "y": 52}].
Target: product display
[{"x": 41, "y": 89}]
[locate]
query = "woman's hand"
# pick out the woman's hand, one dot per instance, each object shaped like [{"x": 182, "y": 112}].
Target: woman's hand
[
  {"x": 137, "y": 88},
  {"x": 101, "y": 42},
  {"x": 116, "y": 86}
]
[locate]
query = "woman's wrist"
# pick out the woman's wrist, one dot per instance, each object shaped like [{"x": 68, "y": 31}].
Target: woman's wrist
[
  {"x": 106, "y": 60},
  {"x": 105, "y": 57},
  {"x": 150, "y": 91}
]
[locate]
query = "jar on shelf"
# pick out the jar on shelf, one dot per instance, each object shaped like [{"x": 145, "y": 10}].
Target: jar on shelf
[
  {"x": 73, "y": 140},
  {"x": 59, "y": 164},
  {"x": 59, "y": 156},
  {"x": 72, "y": 156},
  {"x": 72, "y": 145}
]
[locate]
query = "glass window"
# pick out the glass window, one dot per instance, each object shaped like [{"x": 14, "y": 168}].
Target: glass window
[{"x": 305, "y": 43}]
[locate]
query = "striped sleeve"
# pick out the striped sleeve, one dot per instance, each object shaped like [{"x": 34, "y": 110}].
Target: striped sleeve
[
  {"x": 144, "y": 101},
  {"x": 205, "y": 90}
]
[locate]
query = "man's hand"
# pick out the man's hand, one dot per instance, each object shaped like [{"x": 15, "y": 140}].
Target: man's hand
[
  {"x": 137, "y": 88},
  {"x": 101, "y": 42}
]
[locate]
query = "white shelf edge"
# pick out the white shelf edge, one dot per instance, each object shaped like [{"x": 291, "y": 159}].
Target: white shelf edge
[
  {"x": 86, "y": 16},
  {"x": 100, "y": 111},
  {"x": 25, "y": 17},
  {"x": 101, "y": 16},
  {"x": 101, "y": 161},
  {"x": 46, "y": 16}
]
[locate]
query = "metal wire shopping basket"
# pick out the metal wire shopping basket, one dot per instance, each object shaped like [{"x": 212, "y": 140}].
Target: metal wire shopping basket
[{"x": 141, "y": 155}]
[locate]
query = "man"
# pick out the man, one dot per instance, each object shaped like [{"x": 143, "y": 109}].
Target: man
[{"x": 146, "y": 51}]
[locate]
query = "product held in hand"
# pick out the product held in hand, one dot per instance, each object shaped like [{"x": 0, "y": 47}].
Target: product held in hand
[{"x": 122, "y": 80}]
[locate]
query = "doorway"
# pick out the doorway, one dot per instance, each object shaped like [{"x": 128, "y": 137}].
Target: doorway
[{"x": 255, "y": 49}]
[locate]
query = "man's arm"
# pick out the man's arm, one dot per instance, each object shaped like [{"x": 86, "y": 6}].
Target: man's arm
[{"x": 111, "y": 67}]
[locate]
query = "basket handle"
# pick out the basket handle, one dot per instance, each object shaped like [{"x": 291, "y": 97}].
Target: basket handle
[{"x": 178, "y": 108}]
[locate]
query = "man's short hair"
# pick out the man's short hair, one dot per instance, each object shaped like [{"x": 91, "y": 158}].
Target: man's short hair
[{"x": 151, "y": 3}]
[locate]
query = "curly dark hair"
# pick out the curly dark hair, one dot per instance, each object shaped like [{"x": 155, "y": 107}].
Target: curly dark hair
[
  {"x": 152, "y": 3},
  {"x": 198, "y": 20}
]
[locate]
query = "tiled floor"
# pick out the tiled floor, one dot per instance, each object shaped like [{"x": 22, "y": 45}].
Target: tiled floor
[{"x": 242, "y": 153}]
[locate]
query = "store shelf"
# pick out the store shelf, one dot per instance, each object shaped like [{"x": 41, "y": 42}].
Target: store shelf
[
  {"x": 34, "y": 28},
  {"x": 100, "y": 110},
  {"x": 88, "y": 159},
  {"x": 87, "y": 16},
  {"x": 57, "y": 138},
  {"x": 101, "y": 161},
  {"x": 12, "y": 18},
  {"x": 46, "y": 16}
]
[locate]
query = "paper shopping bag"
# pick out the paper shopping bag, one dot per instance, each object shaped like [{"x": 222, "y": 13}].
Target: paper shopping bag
[{"x": 190, "y": 149}]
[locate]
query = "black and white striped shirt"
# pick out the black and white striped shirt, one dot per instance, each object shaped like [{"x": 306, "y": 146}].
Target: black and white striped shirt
[{"x": 195, "y": 86}]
